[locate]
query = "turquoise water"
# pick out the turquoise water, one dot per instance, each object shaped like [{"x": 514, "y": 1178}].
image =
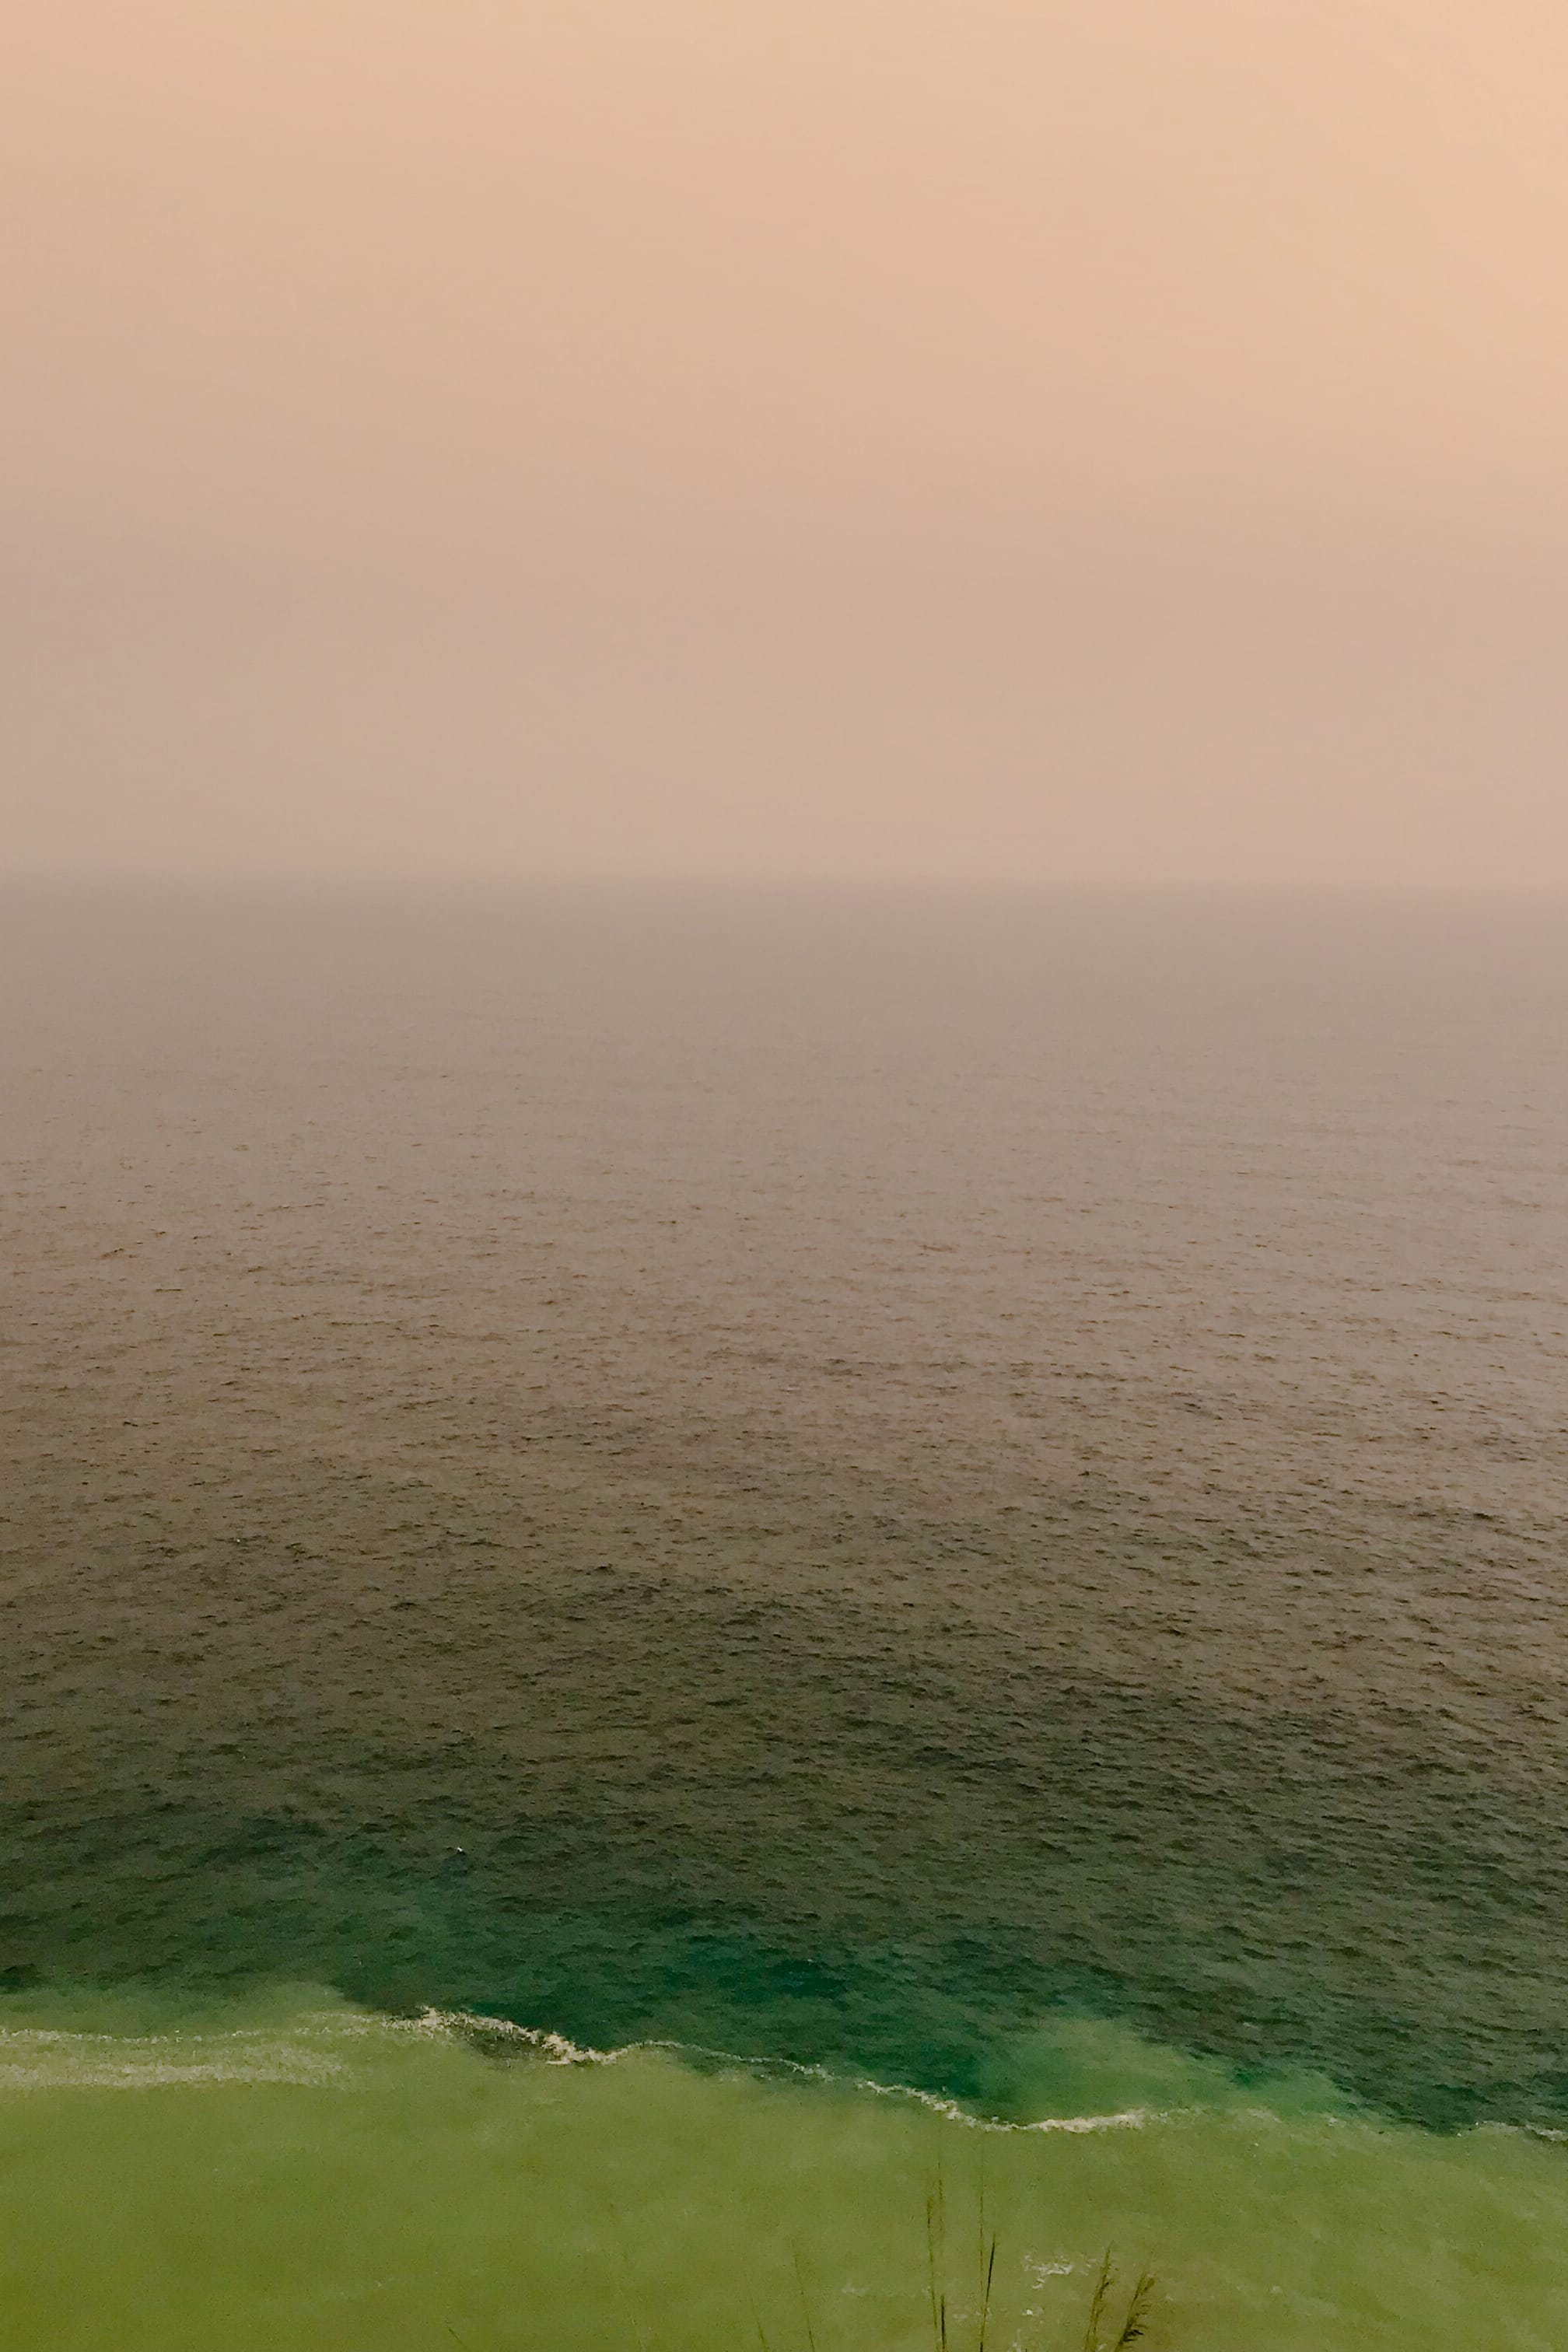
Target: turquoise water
[
  {"x": 295, "y": 2173},
  {"x": 965, "y": 1494}
]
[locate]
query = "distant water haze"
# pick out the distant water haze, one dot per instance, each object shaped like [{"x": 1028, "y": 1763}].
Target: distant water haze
[{"x": 1122, "y": 443}]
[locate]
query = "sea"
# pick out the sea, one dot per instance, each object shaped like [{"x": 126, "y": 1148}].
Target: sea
[{"x": 751, "y": 1616}]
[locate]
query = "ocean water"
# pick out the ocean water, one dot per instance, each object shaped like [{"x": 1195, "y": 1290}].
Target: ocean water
[{"x": 933, "y": 1523}]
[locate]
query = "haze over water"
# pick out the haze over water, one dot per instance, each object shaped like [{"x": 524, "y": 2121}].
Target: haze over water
[
  {"x": 728, "y": 1498},
  {"x": 961, "y": 1489}
]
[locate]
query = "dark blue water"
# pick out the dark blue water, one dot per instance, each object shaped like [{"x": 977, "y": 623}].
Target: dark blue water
[{"x": 823, "y": 1473}]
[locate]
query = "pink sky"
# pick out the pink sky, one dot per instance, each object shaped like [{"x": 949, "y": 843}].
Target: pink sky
[{"x": 1015, "y": 439}]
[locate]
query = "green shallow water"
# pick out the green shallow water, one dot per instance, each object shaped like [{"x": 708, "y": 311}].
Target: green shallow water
[{"x": 290, "y": 2172}]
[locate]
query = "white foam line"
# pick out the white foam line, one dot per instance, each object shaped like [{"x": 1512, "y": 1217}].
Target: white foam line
[
  {"x": 556, "y": 2051},
  {"x": 131, "y": 2069},
  {"x": 42, "y": 2057},
  {"x": 37, "y": 2058}
]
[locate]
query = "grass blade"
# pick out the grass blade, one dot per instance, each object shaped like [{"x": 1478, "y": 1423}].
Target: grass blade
[
  {"x": 1135, "y": 2326},
  {"x": 1098, "y": 2301},
  {"x": 804, "y": 2304},
  {"x": 930, "y": 2266},
  {"x": 983, "y": 2202},
  {"x": 986, "y": 2296}
]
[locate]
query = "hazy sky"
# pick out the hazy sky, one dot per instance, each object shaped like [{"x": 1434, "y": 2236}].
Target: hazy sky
[{"x": 1125, "y": 439}]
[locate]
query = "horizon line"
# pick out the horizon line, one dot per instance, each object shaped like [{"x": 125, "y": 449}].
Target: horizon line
[{"x": 632, "y": 881}]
